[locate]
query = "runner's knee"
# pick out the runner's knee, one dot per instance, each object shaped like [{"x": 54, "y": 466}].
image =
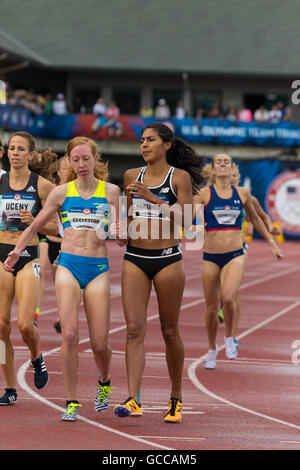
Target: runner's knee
[
  {"x": 5, "y": 328},
  {"x": 136, "y": 330}
]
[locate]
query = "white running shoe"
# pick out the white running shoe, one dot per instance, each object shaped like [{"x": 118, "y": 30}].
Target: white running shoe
[
  {"x": 102, "y": 399},
  {"x": 231, "y": 349},
  {"x": 71, "y": 412},
  {"x": 211, "y": 358}
]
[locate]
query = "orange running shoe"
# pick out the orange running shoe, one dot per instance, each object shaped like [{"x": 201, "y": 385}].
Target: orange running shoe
[
  {"x": 130, "y": 407},
  {"x": 174, "y": 412}
]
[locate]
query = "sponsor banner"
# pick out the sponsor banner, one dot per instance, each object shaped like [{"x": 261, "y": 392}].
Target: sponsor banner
[{"x": 209, "y": 131}]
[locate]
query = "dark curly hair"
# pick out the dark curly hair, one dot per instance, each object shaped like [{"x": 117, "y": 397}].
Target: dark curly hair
[{"x": 180, "y": 155}]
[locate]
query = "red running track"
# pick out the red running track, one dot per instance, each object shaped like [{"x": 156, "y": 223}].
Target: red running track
[{"x": 249, "y": 403}]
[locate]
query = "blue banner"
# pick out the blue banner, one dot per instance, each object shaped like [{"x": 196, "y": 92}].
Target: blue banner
[
  {"x": 206, "y": 131},
  {"x": 222, "y": 131},
  {"x": 15, "y": 118}
]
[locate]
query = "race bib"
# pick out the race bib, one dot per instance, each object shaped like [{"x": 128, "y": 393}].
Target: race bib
[{"x": 226, "y": 216}]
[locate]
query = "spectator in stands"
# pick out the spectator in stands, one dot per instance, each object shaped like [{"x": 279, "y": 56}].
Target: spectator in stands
[
  {"x": 33, "y": 103},
  {"x": 288, "y": 115},
  {"x": 162, "y": 110},
  {"x": 115, "y": 128},
  {"x": 48, "y": 106},
  {"x": 275, "y": 114},
  {"x": 261, "y": 114},
  {"x": 179, "y": 111},
  {"x": 59, "y": 104},
  {"x": 215, "y": 111},
  {"x": 146, "y": 111},
  {"x": 99, "y": 107},
  {"x": 231, "y": 114},
  {"x": 244, "y": 115},
  {"x": 281, "y": 108},
  {"x": 113, "y": 111},
  {"x": 199, "y": 116},
  {"x": 109, "y": 121}
]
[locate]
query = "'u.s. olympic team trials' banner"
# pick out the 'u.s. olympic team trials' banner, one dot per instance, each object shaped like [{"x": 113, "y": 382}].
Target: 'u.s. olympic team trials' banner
[{"x": 209, "y": 131}]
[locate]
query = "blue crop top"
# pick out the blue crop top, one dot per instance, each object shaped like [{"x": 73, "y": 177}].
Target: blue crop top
[
  {"x": 223, "y": 214},
  {"x": 85, "y": 214}
]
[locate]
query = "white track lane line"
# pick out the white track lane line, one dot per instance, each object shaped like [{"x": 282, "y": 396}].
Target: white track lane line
[
  {"x": 193, "y": 377},
  {"x": 22, "y": 370},
  {"x": 21, "y": 380}
]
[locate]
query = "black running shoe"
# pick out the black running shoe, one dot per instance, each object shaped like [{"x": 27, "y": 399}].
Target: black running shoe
[
  {"x": 40, "y": 372},
  {"x": 9, "y": 397},
  {"x": 57, "y": 326}
]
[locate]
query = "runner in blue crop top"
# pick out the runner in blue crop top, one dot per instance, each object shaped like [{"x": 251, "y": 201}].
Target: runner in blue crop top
[
  {"x": 223, "y": 214},
  {"x": 223, "y": 263},
  {"x": 84, "y": 204}
]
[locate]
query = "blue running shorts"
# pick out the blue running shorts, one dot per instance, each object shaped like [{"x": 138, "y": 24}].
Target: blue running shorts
[{"x": 83, "y": 268}]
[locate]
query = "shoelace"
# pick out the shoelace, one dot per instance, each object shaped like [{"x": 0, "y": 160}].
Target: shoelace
[
  {"x": 72, "y": 407},
  {"x": 132, "y": 405},
  {"x": 37, "y": 364},
  {"x": 174, "y": 402},
  {"x": 104, "y": 392}
]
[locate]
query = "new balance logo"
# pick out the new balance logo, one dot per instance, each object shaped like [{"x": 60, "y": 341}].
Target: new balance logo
[
  {"x": 167, "y": 251},
  {"x": 25, "y": 253},
  {"x": 236, "y": 202},
  {"x": 31, "y": 189},
  {"x": 164, "y": 190}
]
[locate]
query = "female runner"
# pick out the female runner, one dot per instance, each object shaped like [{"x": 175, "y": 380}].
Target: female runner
[
  {"x": 152, "y": 255},
  {"x": 23, "y": 193},
  {"x": 85, "y": 204},
  {"x": 223, "y": 256}
]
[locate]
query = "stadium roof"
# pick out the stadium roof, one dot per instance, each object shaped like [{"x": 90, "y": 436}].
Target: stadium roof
[{"x": 235, "y": 37}]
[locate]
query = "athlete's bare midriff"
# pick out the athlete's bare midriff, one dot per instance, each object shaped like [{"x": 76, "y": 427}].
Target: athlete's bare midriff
[
  {"x": 84, "y": 243},
  {"x": 223, "y": 241},
  {"x": 11, "y": 237}
]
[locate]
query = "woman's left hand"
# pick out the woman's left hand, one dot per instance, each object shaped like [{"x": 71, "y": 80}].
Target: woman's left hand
[
  {"x": 141, "y": 190},
  {"x": 26, "y": 217}
]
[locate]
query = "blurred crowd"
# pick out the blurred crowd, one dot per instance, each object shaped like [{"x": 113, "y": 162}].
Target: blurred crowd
[
  {"x": 36, "y": 103},
  {"x": 277, "y": 112},
  {"x": 47, "y": 104}
]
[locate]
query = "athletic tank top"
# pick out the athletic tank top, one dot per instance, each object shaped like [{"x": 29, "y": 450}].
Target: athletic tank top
[
  {"x": 146, "y": 210},
  {"x": 223, "y": 214},
  {"x": 12, "y": 201},
  {"x": 85, "y": 214}
]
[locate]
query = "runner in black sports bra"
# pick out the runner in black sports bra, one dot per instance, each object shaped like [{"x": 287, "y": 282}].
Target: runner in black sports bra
[{"x": 156, "y": 194}]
